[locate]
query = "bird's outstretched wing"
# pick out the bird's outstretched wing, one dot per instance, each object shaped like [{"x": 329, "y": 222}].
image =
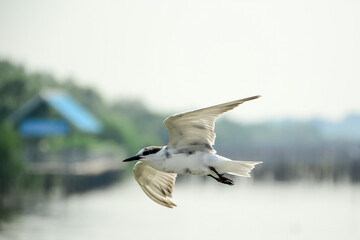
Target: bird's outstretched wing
[
  {"x": 194, "y": 130},
  {"x": 156, "y": 184}
]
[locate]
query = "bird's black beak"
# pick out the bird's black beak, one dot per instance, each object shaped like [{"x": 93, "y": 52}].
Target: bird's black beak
[{"x": 133, "y": 158}]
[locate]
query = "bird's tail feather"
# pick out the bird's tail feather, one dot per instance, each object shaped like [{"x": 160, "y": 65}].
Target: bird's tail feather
[{"x": 239, "y": 168}]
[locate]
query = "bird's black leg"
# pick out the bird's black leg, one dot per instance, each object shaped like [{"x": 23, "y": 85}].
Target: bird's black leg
[
  {"x": 221, "y": 177},
  {"x": 213, "y": 177}
]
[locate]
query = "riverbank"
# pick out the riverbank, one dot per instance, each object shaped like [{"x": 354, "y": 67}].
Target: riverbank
[{"x": 43, "y": 180}]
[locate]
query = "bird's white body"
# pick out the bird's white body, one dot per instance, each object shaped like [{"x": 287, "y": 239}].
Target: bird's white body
[
  {"x": 189, "y": 151},
  {"x": 196, "y": 163}
]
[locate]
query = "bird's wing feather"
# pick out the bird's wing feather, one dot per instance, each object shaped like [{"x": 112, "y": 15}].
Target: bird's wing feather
[
  {"x": 157, "y": 185},
  {"x": 194, "y": 130}
]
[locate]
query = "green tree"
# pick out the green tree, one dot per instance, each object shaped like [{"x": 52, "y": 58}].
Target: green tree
[{"x": 11, "y": 164}]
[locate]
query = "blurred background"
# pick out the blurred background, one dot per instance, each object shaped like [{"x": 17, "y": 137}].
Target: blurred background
[{"x": 85, "y": 84}]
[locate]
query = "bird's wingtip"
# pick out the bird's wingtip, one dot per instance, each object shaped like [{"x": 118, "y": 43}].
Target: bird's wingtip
[{"x": 251, "y": 98}]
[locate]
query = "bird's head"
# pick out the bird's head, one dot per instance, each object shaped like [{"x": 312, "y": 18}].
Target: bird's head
[{"x": 144, "y": 153}]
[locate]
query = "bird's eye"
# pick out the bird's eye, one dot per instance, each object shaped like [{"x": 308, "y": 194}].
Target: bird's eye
[{"x": 145, "y": 153}]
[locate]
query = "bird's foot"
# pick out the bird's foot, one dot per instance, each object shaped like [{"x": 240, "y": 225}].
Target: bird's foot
[
  {"x": 225, "y": 180},
  {"x": 221, "y": 178}
]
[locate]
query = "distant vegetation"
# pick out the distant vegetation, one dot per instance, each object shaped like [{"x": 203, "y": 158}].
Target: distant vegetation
[
  {"x": 128, "y": 125},
  {"x": 314, "y": 149}
]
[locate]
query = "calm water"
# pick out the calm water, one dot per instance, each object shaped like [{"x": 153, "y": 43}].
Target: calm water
[{"x": 205, "y": 211}]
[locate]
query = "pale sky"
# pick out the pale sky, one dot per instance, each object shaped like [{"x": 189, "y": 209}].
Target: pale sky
[{"x": 303, "y": 57}]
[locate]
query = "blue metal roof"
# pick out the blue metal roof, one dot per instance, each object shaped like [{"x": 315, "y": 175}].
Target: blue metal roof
[
  {"x": 43, "y": 127},
  {"x": 72, "y": 111}
]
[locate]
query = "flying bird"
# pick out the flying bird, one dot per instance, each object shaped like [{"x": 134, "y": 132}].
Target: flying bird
[{"x": 189, "y": 151}]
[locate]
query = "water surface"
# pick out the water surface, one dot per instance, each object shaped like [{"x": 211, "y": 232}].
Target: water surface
[{"x": 205, "y": 211}]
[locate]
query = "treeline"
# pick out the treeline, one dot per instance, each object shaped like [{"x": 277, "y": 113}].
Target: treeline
[
  {"x": 127, "y": 125},
  {"x": 290, "y": 150}
]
